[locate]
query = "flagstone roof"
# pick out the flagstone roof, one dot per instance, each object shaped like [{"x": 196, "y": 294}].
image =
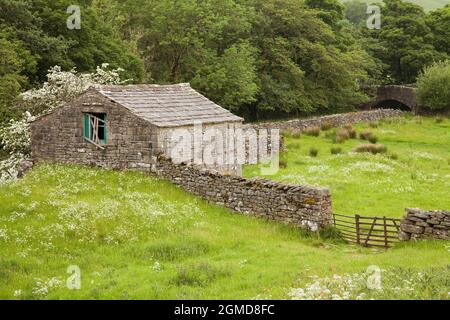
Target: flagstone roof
[{"x": 167, "y": 105}]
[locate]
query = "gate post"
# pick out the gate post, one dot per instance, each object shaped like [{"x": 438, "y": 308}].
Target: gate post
[
  {"x": 386, "y": 242},
  {"x": 358, "y": 241}
]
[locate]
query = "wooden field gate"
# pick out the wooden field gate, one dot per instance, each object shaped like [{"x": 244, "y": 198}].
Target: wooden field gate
[{"x": 368, "y": 231}]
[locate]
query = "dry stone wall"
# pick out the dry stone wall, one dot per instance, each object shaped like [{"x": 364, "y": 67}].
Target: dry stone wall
[
  {"x": 420, "y": 224},
  {"x": 299, "y": 205},
  {"x": 336, "y": 120}
]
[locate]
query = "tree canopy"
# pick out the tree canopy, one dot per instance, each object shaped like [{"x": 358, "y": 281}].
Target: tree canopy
[
  {"x": 409, "y": 39},
  {"x": 258, "y": 58}
]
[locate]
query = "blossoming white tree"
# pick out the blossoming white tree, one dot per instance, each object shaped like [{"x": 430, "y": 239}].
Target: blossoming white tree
[{"x": 61, "y": 87}]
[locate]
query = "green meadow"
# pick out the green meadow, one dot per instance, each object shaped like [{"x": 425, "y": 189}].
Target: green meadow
[
  {"x": 133, "y": 236},
  {"x": 414, "y": 171}
]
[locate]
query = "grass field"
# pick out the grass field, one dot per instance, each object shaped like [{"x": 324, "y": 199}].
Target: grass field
[
  {"x": 413, "y": 173},
  {"x": 136, "y": 237}
]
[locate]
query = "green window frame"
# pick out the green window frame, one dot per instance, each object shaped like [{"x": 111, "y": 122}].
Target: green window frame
[{"x": 95, "y": 128}]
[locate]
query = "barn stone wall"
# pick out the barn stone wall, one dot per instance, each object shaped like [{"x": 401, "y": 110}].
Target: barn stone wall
[
  {"x": 59, "y": 136},
  {"x": 194, "y": 145},
  {"x": 335, "y": 120},
  {"x": 421, "y": 224},
  {"x": 298, "y": 205}
]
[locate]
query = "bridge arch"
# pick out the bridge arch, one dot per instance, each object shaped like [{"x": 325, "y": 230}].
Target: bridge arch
[
  {"x": 401, "y": 97},
  {"x": 391, "y": 104}
]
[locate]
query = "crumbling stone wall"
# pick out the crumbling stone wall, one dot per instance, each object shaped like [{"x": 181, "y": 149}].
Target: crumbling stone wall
[
  {"x": 298, "y": 205},
  {"x": 335, "y": 120},
  {"x": 420, "y": 224}
]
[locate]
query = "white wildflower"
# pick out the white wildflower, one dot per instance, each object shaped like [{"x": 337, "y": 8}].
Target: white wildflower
[
  {"x": 4, "y": 235},
  {"x": 156, "y": 266}
]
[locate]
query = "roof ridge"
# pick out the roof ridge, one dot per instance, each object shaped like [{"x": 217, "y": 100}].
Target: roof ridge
[{"x": 142, "y": 85}]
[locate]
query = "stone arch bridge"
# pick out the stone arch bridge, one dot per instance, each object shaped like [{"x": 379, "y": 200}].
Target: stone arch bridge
[{"x": 396, "y": 97}]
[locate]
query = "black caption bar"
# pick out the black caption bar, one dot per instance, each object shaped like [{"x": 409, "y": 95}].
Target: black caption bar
[{"x": 187, "y": 310}]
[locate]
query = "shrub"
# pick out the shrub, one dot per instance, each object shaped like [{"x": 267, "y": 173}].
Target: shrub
[
  {"x": 372, "y": 148},
  {"x": 313, "y": 131},
  {"x": 433, "y": 86},
  {"x": 64, "y": 86},
  {"x": 60, "y": 88},
  {"x": 313, "y": 152},
  {"x": 336, "y": 150}
]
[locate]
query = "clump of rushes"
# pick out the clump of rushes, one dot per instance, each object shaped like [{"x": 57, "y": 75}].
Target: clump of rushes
[
  {"x": 296, "y": 134},
  {"x": 371, "y": 148},
  {"x": 313, "y": 131},
  {"x": 368, "y": 135},
  {"x": 342, "y": 135},
  {"x": 313, "y": 152},
  {"x": 373, "y": 124},
  {"x": 351, "y": 131},
  {"x": 326, "y": 126},
  {"x": 336, "y": 150}
]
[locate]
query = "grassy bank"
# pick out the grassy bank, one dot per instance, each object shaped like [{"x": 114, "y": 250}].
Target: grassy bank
[{"x": 134, "y": 236}]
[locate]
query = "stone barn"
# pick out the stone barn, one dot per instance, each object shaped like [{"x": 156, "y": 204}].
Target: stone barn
[{"x": 128, "y": 127}]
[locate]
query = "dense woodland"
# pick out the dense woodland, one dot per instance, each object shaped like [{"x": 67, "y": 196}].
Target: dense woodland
[{"x": 258, "y": 58}]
